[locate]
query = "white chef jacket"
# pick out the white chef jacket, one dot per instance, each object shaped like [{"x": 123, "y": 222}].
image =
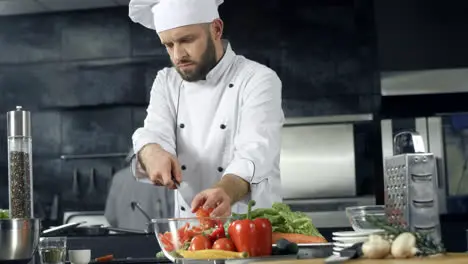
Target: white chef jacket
[{"x": 229, "y": 123}]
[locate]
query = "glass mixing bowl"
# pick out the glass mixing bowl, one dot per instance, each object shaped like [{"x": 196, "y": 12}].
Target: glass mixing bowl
[
  {"x": 175, "y": 234},
  {"x": 357, "y": 216}
]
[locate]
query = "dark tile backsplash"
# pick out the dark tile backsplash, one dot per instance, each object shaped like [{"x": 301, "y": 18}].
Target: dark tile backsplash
[
  {"x": 96, "y": 131},
  {"x": 46, "y": 133},
  {"x": 145, "y": 42},
  {"x": 96, "y": 35},
  {"x": 30, "y": 39},
  {"x": 86, "y": 77}
]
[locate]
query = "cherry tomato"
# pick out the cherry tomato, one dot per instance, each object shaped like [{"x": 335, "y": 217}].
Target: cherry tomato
[
  {"x": 166, "y": 239},
  {"x": 224, "y": 244},
  {"x": 200, "y": 242},
  {"x": 204, "y": 212}
]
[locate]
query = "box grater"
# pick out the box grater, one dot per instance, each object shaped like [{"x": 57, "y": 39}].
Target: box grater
[{"x": 410, "y": 186}]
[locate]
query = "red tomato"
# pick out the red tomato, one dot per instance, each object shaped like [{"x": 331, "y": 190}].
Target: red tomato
[
  {"x": 200, "y": 242},
  {"x": 167, "y": 241},
  {"x": 224, "y": 244},
  {"x": 182, "y": 234},
  {"x": 205, "y": 213}
]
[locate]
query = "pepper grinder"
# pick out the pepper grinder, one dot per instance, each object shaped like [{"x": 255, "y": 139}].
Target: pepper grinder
[{"x": 20, "y": 182}]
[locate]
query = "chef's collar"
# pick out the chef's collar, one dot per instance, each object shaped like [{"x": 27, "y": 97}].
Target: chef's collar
[{"x": 215, "y": 75}]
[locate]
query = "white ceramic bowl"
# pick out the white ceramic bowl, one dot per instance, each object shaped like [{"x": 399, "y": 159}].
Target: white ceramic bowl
[{"x": 79, "y": 256}]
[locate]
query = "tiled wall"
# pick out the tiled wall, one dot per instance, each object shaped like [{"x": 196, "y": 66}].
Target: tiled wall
[{"x": 86, "y": 75}]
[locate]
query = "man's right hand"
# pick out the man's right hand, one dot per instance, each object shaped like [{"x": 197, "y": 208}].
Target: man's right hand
[{"x": 160, "y": 165}]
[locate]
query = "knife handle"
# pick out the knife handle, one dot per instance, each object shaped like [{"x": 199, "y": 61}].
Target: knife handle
[{"x": 175, "y": 181}]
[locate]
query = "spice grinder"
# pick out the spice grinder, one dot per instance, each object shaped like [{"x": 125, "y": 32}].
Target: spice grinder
[{"x": 20, "y": 180}]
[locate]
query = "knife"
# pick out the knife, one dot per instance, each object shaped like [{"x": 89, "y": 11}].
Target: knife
[{"x": 185, "y": 191}]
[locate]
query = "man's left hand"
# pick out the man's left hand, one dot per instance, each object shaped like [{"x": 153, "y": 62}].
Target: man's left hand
[{"x": 215, "y": 198}]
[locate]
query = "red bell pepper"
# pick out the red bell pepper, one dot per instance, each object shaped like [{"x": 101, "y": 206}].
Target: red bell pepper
[
  {"x": 264, "y": 231},
  {"x": 252, "y": 236}
]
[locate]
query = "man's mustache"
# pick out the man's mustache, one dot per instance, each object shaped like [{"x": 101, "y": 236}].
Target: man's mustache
[{"x": 181, "y": 62}]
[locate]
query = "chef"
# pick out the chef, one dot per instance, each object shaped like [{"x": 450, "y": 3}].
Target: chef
[{"x": 214, "y": 119}]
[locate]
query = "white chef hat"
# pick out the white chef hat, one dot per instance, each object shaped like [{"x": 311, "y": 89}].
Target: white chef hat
[{"x": 162, "y": 15}]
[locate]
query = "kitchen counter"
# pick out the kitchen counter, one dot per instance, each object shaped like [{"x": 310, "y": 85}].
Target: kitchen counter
[{"x": 452, "y": 258}]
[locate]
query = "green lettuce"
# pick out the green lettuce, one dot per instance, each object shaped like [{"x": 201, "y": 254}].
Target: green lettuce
[{"x": 284, "y": 220}]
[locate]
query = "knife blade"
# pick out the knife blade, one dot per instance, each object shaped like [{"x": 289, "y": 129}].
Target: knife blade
[{"x": 185, "y": 191}]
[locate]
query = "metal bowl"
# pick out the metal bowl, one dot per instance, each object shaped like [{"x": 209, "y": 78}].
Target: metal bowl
[{"x": 19, "y": 238}]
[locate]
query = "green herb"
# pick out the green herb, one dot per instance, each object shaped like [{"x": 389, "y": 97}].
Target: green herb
[
  {"x": 425, "y": 244},
  {"x": 186, "y": 245},
  {"x": 208, "y": 231},
  {"x": 4, "y": 214},
  {"x": 284, "y": 220},
  {"x": 226, "y": 228},
  {"x": 160, "y": 254}
]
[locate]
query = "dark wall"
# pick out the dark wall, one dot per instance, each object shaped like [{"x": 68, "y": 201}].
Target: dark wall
[
  {"x": 421, "y": 34},
  {"x": 86, "y": 77}
]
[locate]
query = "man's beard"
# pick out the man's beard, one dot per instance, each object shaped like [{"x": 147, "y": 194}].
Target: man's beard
[{"x": 207, "y": 62}]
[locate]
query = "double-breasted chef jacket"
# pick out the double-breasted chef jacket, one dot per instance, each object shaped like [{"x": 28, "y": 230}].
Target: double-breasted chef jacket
[{"x": 228, "y": 123}]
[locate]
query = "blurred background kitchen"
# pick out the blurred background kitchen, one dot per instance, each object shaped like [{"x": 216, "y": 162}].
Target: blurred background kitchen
[{"x": 354, "y": 74}]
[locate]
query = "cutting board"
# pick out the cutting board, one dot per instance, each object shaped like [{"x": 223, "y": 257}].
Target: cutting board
[{"x": 451, "y": 258}]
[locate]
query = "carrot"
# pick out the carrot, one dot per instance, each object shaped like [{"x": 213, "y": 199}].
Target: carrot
[
  {"x": 106, "y": 258},
  {"x": 298, "y": 238}
]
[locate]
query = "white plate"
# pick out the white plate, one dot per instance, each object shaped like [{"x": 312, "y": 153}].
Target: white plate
[
  {"x": 357, "y": 233},
  {"x": 342, "y": 245},
  {"x": 309, "y": 244},
  {"x": 337, "y": 249},
  {"x": 351, "y": 239}
]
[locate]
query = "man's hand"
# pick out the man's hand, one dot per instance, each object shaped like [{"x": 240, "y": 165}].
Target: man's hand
[
  {"x": 160, "y": 165},
  {"x": 215, "y": 198},
  {"x": 229, "y": 190}
]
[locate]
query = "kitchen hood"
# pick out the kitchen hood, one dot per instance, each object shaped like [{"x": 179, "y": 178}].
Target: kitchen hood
[
  {"x": 435, "y": 81},
  {"x": 17, "y": 7}
]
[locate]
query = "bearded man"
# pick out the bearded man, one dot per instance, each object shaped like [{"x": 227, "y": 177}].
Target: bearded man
[{"x": 214, "y": 119}]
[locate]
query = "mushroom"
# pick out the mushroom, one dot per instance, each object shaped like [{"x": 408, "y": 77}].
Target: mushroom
[
  {"x": 376, "y": 247},
  {"x": 404, "y": 246}
]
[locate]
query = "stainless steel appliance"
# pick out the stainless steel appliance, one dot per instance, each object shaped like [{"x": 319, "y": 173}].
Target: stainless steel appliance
[
  {"x": 19, "y": 239},
  {"x": 318, "y": 161},
  {"x": 446, "y": 136},
  {"x": 435, "y": 81},
  {"x": 319, "y": 167}
]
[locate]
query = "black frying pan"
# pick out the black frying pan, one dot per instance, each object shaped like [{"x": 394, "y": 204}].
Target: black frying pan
[
  {"x": 93, "y": 230},
  {"x": 99, "y": 230}
]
